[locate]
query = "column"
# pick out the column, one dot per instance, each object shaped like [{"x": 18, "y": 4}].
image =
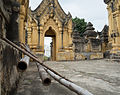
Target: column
[
  {"x": 41, "y": 42},
  {"x": 0, "y": 26},
  {"x": 38, "y": 34},
  {"x": 118, "y": 21},
  {"x": 41, "y": 38},
  {"x": 21, "y": 24},
  {"x": 60, "y": 38},
  {"x": 62, "y": 33},
  {"x": 54, "y": 48},
  {"x": 51, "y": 46},
  {"x": 29, "y": 35},
  {"x": 70, "y": 39},
  {"x": 118, "y": 30}
]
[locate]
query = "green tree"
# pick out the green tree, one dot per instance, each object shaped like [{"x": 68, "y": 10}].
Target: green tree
[{"x": 79, "y": 25}]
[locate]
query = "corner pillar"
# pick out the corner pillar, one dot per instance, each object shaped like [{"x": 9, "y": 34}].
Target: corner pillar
[
  {"x": 61, "y": 33},
  {"x": 70, "y": 40},
  {"x": 21, "y": 24},
  {"x": 29, "y": 35}
]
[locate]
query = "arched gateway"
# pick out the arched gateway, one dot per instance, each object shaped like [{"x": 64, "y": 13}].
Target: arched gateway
[{"x": 49, "y": 19}]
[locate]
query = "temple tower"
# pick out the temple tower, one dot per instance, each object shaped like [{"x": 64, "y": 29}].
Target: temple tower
[
  {"x": 113, "y": 7},
  {"x": 49, "y": 20}
]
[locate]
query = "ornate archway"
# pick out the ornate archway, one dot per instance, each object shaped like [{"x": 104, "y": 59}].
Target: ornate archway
[{"x": 52, "y": 21}]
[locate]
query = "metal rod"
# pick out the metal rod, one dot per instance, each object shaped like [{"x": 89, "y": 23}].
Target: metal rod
[
  {"x": 46, "y": 80},
  {"x": 61, "y": 78}
]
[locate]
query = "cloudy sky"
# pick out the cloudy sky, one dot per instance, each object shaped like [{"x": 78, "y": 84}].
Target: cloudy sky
[{"x": 91, "y": 10}]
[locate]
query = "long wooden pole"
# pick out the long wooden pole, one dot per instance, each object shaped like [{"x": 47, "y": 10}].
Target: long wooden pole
[
  {"x": 24, "y": 62},
  {"x": 73, "y": 87},
  {"x": 46, "y": 80},
  {"x": 57, "y": 77},
  {"x": 43, "y": 64}
]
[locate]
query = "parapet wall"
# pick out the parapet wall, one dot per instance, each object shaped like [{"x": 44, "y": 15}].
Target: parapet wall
[
  {"x": 9, "y": 77},
  {"x": 88, "y": 56}
]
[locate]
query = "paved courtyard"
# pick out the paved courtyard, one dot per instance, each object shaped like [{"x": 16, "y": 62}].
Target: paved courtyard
[{"x": 100, "y": 77}]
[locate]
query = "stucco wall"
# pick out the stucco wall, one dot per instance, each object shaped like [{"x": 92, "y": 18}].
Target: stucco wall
[
  {"x": 9, "y": 57},
  {"x": 88, "y": 56},
  {"x": 9, "y": 77}
]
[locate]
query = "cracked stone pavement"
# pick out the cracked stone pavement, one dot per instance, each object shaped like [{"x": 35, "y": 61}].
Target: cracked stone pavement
[{"x": 100, "y": 77}]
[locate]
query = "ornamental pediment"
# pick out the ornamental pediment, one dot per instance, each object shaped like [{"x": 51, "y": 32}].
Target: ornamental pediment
[{"x": 52, "y": 9}]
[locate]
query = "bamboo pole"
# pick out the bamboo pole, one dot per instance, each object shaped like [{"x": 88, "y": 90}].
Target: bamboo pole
[
  {"x": 73, "y": 87},
  {"x": 46, "y": 80},
  {"x": 24, "y": 62},
  {"x": 70, "y": 85}
]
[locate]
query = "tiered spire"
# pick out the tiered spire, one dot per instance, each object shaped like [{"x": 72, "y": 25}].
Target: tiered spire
[{"x": 90, "y": 30}]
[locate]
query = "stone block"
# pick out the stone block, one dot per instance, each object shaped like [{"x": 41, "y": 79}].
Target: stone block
[
  {"x": 96, "y": 56},
  {"x": 80, "y": 56},
  {"x": 88, "y": 56},
  {"x": 65, "y": 56}
]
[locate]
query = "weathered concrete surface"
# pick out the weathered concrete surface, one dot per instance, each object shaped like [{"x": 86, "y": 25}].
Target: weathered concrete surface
[
  {"x": 9, "y": 77},
  {"x": 98, "y": 76}
]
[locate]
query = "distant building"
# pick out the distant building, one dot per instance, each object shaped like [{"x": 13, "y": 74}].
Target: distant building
[
  {"x": 89, "y": 46},
  {"x": 50, "y": 20},
  {"x": 113, "y": 7}
]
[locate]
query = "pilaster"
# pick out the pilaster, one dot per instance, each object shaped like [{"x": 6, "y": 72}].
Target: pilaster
[
  {"x": 22, "y": 24},
  {"x": 60, "y": 39}
]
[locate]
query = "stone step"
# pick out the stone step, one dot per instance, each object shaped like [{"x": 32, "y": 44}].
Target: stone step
[
  {"x": 116, "y": 56},
  {"x": 118, "y": 60}
]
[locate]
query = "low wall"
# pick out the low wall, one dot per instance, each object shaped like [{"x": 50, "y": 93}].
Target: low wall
[
  {"x": 65, "y": 56},
  {"x": 88, "y": 56},
  {"x": 9, "y": 77}
]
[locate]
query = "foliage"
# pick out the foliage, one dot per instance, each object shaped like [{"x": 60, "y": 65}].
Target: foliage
[{"x": 79, "y": 25}]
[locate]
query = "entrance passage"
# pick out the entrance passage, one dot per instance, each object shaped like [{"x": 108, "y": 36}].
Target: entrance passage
[
  {"x": 47, "y": 48},
  {"x": 50, "y": 44}
]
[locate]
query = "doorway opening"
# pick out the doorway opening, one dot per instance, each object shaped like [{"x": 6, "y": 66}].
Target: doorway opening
[
  {"x": 50, "y": 45},
  {"x": 47, "y": 48}
]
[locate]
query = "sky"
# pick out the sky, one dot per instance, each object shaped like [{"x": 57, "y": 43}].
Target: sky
[{"x": 91, "y": 10}]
